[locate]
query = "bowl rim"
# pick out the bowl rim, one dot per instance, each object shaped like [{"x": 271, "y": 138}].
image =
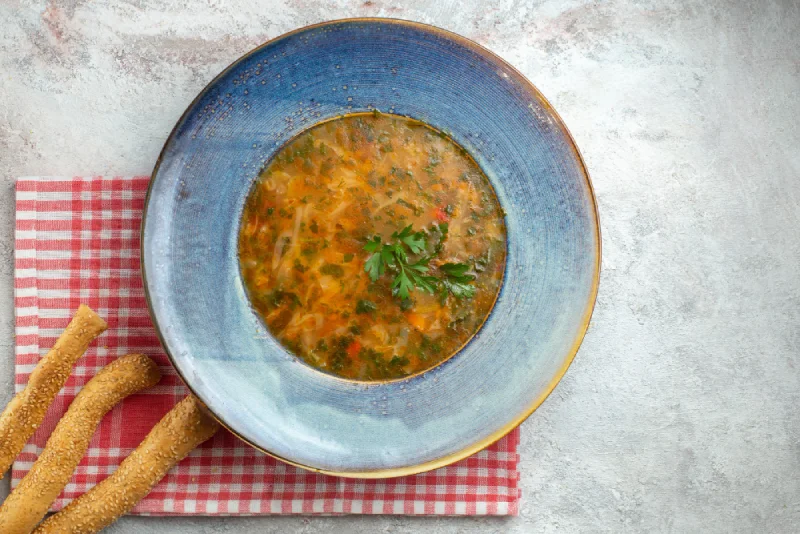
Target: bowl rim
[{"x": 472, "y": 448}]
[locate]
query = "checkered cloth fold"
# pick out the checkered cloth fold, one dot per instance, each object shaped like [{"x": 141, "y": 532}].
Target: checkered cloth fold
[{"x": 77, "y": 241}]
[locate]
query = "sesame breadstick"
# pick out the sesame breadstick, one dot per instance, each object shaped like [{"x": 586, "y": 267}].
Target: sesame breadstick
[
  {"x": 31, "y": 499},
  {"x": 185, "y": 427},
  {"x": 25, "y": 412}
]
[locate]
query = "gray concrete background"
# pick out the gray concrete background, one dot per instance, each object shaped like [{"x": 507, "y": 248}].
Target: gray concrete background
[{"x": 680, "y": 411}]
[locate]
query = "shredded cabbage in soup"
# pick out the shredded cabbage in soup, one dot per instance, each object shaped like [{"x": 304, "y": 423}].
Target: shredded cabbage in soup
[{"x": 373, "y": 246}]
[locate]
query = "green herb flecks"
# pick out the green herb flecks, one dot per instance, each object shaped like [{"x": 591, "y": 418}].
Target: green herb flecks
[
  {"x": 365, "y": 306},
  {"x": 331, "y": 269},
  {"x": 456, "y": 281}
]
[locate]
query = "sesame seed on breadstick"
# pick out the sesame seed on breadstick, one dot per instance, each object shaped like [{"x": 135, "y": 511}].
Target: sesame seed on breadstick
[
  {"x": 25, "y": 412},
  {"x": 30, "y": 500},
  {"x": 185, "y": 427}
]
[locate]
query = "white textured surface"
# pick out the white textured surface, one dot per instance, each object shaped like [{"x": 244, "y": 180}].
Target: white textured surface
[{"x": 680, "y": 412}]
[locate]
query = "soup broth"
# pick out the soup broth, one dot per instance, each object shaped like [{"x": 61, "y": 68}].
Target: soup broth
[{"x": 373, "y": 246}]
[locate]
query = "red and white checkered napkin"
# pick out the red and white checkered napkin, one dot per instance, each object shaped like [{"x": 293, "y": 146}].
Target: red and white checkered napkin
[{"x": 77, "y": 241}]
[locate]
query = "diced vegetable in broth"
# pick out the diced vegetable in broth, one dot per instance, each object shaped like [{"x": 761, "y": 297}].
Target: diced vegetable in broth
[{"x": 373, "y": 246}]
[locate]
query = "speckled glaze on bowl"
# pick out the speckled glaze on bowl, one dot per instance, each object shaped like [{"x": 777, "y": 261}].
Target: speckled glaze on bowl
[{"x": 220, "y": 346}]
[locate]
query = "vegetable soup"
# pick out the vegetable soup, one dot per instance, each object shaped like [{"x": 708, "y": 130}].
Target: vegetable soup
[{"x": 373, "y": 246}]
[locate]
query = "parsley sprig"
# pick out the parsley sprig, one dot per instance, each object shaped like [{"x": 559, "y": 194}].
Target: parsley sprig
[{"x": 408, "y": 274}]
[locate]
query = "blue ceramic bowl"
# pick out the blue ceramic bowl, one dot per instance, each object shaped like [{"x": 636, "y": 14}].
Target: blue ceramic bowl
[{"x": 219, "y": 344}]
